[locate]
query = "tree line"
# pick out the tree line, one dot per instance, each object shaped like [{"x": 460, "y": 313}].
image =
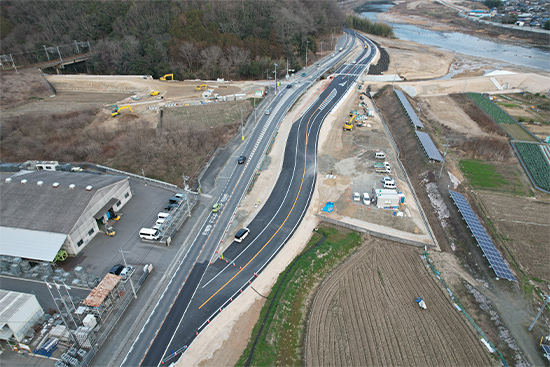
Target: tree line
[{"x": 190, "y": 38}]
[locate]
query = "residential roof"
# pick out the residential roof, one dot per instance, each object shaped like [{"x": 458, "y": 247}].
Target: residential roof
[
  {"x": 10, "y": 303},
  {"x": 36, "y": 204},
  {"x": 19, "y": 242},
  {"x": 98, "y": 294}
]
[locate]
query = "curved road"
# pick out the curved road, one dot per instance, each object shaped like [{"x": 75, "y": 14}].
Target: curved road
[{"x": 203, "y": 285}]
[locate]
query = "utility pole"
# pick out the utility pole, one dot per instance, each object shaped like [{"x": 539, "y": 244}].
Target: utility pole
[
  {"x": 76, "y": 44},
  {"x": 60, "y": 56},
  {"x": 242, "y": 125},
  {"x": 185, "y": 178},
  {"x": 307, "y": 46},
  {"x": 275, "y": 79},
  {"x": 321, "y": 48},
  {"x": 65, "y": 304},
  {"x": 67, "y": 288},
  {"x": 395, "y": 76},
  {"x": 332, "y": 39},
  {"x": 46, "y": 51},
  {"x": 466, "y": 81},
  {"x": 547, "y": 300},
  {"x": 126, "y": 265},
  {"x": 13, "y": 63},
  {"x": 143, "y": 174},
  {"x": 287, "y": 68}
]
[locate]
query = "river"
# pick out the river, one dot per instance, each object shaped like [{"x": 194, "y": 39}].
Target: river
[{"x": 465, "y": 44}]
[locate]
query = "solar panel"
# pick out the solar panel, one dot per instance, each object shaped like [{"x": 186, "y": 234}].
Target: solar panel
[
  {"x": 408, "y": 108},
  {"x": 487, "y": 246},
  {"x": 429, "y": 146}
]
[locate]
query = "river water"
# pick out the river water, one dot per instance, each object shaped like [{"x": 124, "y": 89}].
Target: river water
[{"x": 465, "y": 44}]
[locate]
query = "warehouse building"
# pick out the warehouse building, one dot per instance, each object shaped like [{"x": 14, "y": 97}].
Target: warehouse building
[
  {"x": 19, "y": 312},
  {"x": 42, "y": 212}
]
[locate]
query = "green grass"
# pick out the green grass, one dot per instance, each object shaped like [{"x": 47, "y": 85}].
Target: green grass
[
  {"x": 284, "y": 324},
  {"x": 481, "y": 174}
]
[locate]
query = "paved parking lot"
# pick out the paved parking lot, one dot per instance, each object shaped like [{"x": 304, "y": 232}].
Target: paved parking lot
[{"x": 103, "y": 252}]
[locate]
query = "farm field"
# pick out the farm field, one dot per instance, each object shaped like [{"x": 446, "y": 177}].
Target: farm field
[
  {"x": 536, "y": 163},
  {"x": 523, "y": 227},
  {"x": 516, "y": 131},
  {"x": 366, "y": 315}
]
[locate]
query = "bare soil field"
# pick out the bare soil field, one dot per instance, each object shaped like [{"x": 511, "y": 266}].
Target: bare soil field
[
  {"x": 365, "y": 314},
  {"x": 522, "y": 226}
]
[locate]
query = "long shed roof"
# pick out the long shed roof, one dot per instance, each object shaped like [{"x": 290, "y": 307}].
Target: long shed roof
[{"x": 31, "y": 201}]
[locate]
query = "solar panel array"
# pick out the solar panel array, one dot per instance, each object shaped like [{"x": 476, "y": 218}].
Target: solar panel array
[
  {"x": 546, "y": 348},
  {"x": 487, "y": 246},
  {"x": 408, "y": 108},
  {"x": 429, "y": 146}
]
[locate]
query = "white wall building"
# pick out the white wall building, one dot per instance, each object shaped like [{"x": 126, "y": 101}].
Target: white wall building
[
  {"x": 45, "y": 211},
  {"x": 19, "y": 312}
]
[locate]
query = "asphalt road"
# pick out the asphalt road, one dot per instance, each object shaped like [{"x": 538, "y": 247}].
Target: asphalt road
[{"x": 200, "y": 290}]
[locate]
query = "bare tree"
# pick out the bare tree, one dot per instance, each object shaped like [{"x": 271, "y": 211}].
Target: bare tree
[
  {"x": 211, "y": 60},
  {"x": 190, "y": 54}
]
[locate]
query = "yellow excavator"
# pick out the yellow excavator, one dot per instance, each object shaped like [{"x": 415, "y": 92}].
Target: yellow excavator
[
  {"x": 202, "y": 87},
  {"x": 349, "y": 124},
  {"x": 116, "y": 111},
  {"x": 154, "y": 93},
  {"x": 163, "y": 78}
]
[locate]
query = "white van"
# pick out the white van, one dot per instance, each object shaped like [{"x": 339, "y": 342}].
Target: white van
[
  {"x": 241, "y": 234},
  {"x": 149, "y": 234},
  {"x": 390, "y": 184},
  {"x": 163, "y": 215},
  {"x": 380, "y": 155},
  {"x": 160, "y": 221}
]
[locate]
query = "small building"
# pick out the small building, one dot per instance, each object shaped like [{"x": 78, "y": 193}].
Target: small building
[
  {"x": 45, "y": 211},
  {"x": 19, "y": 312},
  {"x": 389, "y": 199}
]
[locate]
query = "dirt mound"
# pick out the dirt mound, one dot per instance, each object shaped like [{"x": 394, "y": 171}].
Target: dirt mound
[
  {"x": 22, "y": 87},
  {"x": 366, "y": 315}
]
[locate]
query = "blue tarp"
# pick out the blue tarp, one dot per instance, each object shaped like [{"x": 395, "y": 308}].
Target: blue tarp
[{"x": 329, "y": 207}]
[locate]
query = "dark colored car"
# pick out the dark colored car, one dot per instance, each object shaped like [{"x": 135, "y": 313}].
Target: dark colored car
[
  {"x": 241, "y": 159},
  {"x": 289, "y": 86},
  {"x": 117, "y": 269},
  {"x": 170, "y": 207}
]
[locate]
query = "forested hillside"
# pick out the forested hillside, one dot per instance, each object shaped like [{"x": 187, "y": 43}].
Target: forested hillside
[{"x": 191, "y": 38}]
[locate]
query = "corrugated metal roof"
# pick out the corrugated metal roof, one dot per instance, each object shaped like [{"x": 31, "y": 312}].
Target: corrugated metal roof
[
  {"x": 98, "y": 294},
  {"x": 43, "y": 207},
  {"x": 28, "y": 244},
  {"x": 10, "y": 303}
]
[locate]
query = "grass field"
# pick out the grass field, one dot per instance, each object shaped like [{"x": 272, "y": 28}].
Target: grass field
[
  {"x": 517, "y": 132},
  {"x": 281, "y": 326},
  {"x": 481, "y": 174}
]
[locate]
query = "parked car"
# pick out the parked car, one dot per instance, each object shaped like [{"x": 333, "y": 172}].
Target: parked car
[
  {"x": 356, "y": 197},
  {"x": 171, "y": 206},
  {"x": 386, "y": 178},
  {"x": 241, "y": 159},
  {"x": 117, "y": 269},
  {"x": 366, "y": 199},
  {"x": 390, "y": 184},
  {"x": 126, "y": 272},
  {"x": 267, "y": 112},
  {"x": 216, "y": 207}
]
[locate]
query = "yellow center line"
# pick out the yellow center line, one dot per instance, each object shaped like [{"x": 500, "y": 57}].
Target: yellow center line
[{"x": 281, "y": 226}]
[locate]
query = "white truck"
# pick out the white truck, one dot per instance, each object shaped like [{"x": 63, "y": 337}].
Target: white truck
[{"x": 382, "y": 167}]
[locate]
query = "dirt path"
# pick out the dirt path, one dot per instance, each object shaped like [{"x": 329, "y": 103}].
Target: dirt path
[{"x": 366, "y": 315}]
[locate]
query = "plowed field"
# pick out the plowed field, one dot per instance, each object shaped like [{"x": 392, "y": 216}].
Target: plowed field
[{"x": 366, "y": 315}]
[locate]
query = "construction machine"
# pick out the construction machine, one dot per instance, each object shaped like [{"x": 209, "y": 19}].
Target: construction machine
[
  {"x": 109, "y": 231},
  {"x": 116, "y": 111},
  {"x": 163, "y": 78},
  {"x": 349, "y": 124},
  {"x": 202, "y": 87},
  {"x": 154, "y": 93}
]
